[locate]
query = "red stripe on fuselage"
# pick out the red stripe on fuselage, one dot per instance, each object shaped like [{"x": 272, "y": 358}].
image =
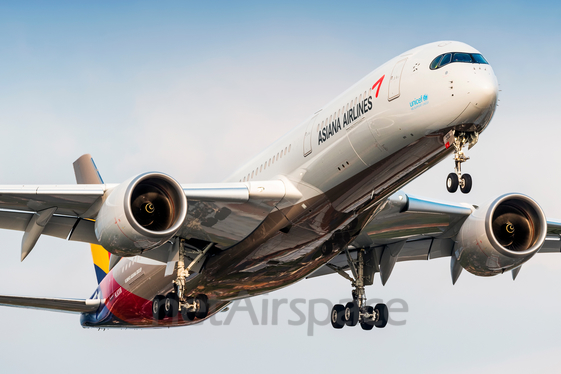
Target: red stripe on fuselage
[{"x": 128, "y": 308}]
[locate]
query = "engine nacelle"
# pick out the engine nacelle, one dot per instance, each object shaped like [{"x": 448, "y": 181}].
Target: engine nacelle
[
  {"x": 141, "y": 214},
  {"x": 502, "y": 236}
]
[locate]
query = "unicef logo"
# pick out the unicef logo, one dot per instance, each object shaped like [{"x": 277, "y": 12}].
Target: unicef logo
[{"x": 422, "y": 100}]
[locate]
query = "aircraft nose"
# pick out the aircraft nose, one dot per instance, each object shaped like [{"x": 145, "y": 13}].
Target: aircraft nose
[{"x": 484, "y": 89}]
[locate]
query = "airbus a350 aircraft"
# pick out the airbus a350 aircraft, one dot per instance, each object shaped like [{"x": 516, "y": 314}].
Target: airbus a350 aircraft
[{"x": 323, "y": 199}]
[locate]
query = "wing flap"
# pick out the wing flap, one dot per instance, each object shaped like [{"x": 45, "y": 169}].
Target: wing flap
[
  {"x": 71, "y": 200},
  {"x": 61, "y": 305}
]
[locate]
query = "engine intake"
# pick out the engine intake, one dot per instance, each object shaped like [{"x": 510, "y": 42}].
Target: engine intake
[
  {"x": 141, "y": 214},
  {"x": 502, "y": 236}
]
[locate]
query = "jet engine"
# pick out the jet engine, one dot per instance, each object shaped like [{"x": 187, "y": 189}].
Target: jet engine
[
  {"x": 141, "y": 214},
  {"x": 501, "y": 236}
]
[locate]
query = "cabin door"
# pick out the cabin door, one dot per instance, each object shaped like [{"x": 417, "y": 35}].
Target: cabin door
[
  {"x": 395, "y": 80},
  {"x": 308, "y": 135}
]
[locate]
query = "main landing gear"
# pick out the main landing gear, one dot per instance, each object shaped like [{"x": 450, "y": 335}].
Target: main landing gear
[
  {"x": 356, "y": 311},
  {"x": 458, "y": 140},
  {"x": 168, "y": 306},
  {"x": 176, "y": 302}
]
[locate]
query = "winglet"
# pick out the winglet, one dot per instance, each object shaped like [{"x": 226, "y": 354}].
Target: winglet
[{"x": 86, "y": 171}]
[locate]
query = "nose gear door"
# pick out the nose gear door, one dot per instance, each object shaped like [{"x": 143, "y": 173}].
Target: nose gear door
[{"x": 395, "y": 80}]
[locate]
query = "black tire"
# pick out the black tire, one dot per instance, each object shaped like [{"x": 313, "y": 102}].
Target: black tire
[
  {"x": 202, "y": 310},
  {"x": 452, "y": 182},
  {"x": 186, "y": 315},
  {"x": 171, "y": 305},
  {"x": 338, "y": 316},
  {"x": 158, "y": 311},
  {"x": 190, "y": 315},
  {"x": 351, "y": 314},
  {"x": 326, "y": 248},
  {"x": 383, "y": 315},
  {"x": 466, "y": 178},
  {"x": 368, "y": 324}
]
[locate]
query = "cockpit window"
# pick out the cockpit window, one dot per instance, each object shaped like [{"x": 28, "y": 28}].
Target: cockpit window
[
  {"x": 461, "y": 57},
  {"x": 447, "y": 58},
  {"x": 478, "y": 59},
  {"x": 435, "y": 63}
]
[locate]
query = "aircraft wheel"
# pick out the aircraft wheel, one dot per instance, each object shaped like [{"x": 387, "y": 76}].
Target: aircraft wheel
[
  {"x": 466, "y": 185},
  {"x": 351, "y": 313},
  {"x": 338, "y": 316},
  {"x": 158, "y": 311},
  {"x": 190, "y": 315},
  {"x": 186, "y": 315},
  {"x": 171, "y": 304},
  {"x": 369, "y": 323},
  {"x": 383, "y": 315},
  {"x": 202, "y": 310},
  {"x": 452, "y": 182}
]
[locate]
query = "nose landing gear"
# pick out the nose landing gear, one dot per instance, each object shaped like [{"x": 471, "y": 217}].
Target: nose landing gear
[
  {"x": 356, "y": 311},
  {"x": 456, "y": 179}
]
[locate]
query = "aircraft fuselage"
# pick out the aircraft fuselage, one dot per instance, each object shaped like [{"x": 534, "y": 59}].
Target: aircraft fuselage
[{"x": 345, "y": 159}]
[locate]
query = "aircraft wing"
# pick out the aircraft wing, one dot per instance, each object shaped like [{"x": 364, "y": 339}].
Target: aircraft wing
[
  {"x": 220, "y": 213},
  {"x": 61, "y": 305},
  {"x": 408, "y": 228}
]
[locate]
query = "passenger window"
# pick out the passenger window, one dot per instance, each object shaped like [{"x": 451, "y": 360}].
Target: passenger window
[
  {"x": 252, "y": 174},
  {"x": 281, "y": 153},
  {"x": 244, "y": 179},
  {"x": 269, "y": 162},
  {"x": 277, "y": 156},
  {"x": 285, "y": 150},
  {"x": 261, "y": 169},
  {"x": 289, "y": 146},
  {"x": 461, "y": 57}
]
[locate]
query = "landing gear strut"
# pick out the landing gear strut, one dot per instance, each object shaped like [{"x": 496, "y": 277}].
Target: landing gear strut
[
  {"x": 356, "y": 311},
  {"x": 458, "y": 140},
  {"x": 176, "y": 302}
]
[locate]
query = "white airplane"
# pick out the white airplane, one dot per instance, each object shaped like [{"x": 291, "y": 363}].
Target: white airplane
[{"x": 323, "y": 199}]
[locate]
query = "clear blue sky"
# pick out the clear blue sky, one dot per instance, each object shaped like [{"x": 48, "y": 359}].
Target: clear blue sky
[{"x": 194, "y": 90}]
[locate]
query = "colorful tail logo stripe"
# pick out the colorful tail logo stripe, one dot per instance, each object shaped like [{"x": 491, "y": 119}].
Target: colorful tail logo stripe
[{"x": 101, "y": 261}]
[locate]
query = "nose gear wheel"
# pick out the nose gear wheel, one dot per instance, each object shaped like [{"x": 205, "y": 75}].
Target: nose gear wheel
[{"x": 457, "y": 179}]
